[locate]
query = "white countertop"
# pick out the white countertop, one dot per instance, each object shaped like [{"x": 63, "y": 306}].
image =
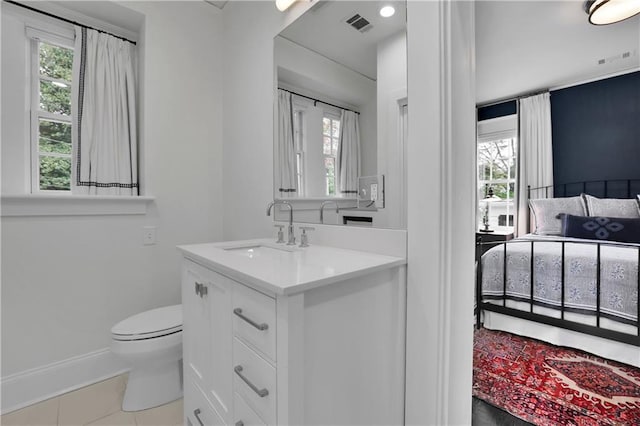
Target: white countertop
[{"x": 287, "y": 272}]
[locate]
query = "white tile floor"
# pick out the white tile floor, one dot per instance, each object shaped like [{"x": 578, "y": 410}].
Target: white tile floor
[{"x": 98, "y": 405}]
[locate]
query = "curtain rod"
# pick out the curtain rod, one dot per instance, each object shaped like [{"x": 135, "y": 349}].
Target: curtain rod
[
  {"x": 51, "y": 15},
  {"x": 317, "y": 100},
  {"x": 514, "y": 98}
]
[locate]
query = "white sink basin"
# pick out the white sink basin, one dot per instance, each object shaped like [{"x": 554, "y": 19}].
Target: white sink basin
[{"x": 259, "y": 250}]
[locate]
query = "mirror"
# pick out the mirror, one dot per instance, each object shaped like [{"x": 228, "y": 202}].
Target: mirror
[{"x": 340, "y": 119}]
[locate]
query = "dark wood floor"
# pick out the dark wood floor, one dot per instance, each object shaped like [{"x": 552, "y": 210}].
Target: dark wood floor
[{"x": 484, "y": 414}]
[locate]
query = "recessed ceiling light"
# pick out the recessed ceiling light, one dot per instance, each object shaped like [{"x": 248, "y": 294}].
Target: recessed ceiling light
[{"x": 387, "y": 11}]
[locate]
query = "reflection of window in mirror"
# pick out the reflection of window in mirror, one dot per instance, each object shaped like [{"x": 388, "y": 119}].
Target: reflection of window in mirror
[
  {"x": 497, "y": 159},
  {"x": 316, "y": 134},
  {"x": 330, "y": 140},
  {"x": 298, "y": 140}
]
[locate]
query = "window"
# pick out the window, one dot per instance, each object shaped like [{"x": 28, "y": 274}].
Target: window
[
  {"x": 39, "y": 156},
  {"x": 298, "y": 140},
  {"x": 497, "y": 161},
  {"x": 316, "y": 135},
  {"x": 330, "y": 141},
  {"x": 51, "y": 145}
]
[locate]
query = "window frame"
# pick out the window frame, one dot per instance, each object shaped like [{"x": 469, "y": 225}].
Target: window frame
[
  {"x": 333, "y": 115},
  {"x": 495, "y": 130},
  {"x": 35, "y": 38},
  {"x": 300, "y": 141}
]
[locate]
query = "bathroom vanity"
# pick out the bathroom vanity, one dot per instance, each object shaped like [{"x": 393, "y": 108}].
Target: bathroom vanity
[{"x": 283, "y": 335}]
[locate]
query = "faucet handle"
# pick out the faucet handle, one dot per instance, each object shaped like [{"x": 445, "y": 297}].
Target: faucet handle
[
  {"x": 280, "y": 233},
  {"x": 304, "y": 239}
]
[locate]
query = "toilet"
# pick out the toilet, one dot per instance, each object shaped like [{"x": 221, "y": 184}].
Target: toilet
[{"x": 151, "y": 344}]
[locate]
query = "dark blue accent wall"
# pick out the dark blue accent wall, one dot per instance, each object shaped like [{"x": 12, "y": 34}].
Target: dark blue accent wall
[
  {"x": 497, "y": 110},
  {"x": 596, "y": 130}
]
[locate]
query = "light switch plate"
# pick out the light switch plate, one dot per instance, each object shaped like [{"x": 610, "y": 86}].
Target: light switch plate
[{"x": 371, "y": 192}]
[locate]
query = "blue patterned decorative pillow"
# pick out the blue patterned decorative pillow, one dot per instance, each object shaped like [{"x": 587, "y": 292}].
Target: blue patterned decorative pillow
[{"x": 621, "y": 229}]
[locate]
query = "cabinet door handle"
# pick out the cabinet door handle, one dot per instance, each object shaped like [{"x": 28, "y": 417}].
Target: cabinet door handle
[
  {"x": 261, "y": 392},
  {"x": 201, "y": 289},
  {"x": 239, "y": 423},
  {"x": 196, "y": 413},
  {"x": 261, "y": 327}
]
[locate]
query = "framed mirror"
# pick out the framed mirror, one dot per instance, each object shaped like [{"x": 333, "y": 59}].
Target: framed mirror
[{"x": 340, "y": 114}]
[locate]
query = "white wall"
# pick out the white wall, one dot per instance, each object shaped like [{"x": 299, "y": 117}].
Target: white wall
[
  {"x": 249, "y": 88},
  {"x": 67, "y": 280},
  {"x": 14, "y": 101}
]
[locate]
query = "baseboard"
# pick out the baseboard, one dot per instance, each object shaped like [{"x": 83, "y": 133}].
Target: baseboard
[{"x": 32, "y": 386}]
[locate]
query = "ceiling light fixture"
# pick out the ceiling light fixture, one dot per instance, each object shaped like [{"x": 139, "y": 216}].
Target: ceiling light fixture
[
  {"x": 387, "y": 11},
  {"x": 283, "y": 5},
  {"x": 603, "y": 12}
]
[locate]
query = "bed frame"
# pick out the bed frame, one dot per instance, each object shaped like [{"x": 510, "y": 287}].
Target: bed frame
[{"x": 604, "y": 189}]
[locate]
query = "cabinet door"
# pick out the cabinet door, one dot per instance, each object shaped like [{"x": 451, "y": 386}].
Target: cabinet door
[
  {"x": 207, "y": 335},
  {"x": 219, "y": 382},
  {"x": 196, "y": 344},
  {"x": 198, "y": 411}
]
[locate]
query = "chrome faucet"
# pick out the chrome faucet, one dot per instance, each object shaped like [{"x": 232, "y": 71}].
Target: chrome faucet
[
  {"x": 291, "y": 237},
  {"x": 324, "y": 203}
]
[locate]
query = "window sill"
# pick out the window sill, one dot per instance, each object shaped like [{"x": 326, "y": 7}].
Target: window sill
[{"x": 72, "y": 205}]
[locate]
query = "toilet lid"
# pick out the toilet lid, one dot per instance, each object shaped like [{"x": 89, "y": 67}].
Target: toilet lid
[{"x": 154, "y": 323}]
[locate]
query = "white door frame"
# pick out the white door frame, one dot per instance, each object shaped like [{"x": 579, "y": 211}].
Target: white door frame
[{"x": 441, "y": 169}]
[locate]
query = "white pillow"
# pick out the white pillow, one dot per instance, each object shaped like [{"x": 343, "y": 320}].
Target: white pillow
[
  {"x": 546, "y": 210},
  {"x": 611, "y": 207}
]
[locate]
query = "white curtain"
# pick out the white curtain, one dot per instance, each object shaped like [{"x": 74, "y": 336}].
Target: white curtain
[
  {"x": 287, "y": 170},
  {"x": 348, "y": 167},
  {"x": 104, "y": 119},
  {"x": 536, "y": 156}
]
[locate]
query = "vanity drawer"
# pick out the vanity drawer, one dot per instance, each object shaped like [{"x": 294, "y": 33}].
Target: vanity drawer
[
  {"x": 255, "y": 380},
  {"x": 254, "y": 319},
  {"x": 198, "y": 411},
  {"x": 243, "y": 414}
]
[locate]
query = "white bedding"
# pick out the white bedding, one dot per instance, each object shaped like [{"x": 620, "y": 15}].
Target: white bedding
[{"x": 619, "y": 275}]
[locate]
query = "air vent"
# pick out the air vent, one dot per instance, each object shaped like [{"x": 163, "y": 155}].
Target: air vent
[
  {"x": 623, "y": 55},
  {"x": 359, "y": 23}
]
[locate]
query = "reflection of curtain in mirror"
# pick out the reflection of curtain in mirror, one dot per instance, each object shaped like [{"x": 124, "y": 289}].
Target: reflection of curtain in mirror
[
  {"x": 286, "y": 173},
  {"x": 348, "y": 167},
  {"x": 536, "y": 156}
]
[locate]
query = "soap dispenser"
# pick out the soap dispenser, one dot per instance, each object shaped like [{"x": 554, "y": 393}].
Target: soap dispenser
[
  {"x": 304, "y": 238},
  {"x": 280, "y": 234}
]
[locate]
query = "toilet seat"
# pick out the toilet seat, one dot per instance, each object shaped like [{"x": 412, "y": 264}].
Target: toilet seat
[{"x": 150, "y": 324}]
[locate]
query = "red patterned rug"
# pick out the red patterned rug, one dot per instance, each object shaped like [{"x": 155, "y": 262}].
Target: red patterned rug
[{"x": 550, "y": 385}]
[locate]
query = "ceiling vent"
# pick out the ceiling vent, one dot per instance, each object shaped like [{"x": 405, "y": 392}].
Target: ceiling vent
[
  {"x": 359, "y": 23},
  {"x": 623, "y": 55}
]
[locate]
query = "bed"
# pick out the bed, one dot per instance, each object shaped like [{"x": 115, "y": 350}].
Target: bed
[{"x": 585, "y": 282}]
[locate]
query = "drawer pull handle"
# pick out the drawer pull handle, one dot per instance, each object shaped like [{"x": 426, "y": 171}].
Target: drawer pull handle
[
  {"x": 261, "y": 392},
  {"x": 239, "y": 423},
  {"x": 261, "y": 327},
  {"x": 196, "y": 413}
]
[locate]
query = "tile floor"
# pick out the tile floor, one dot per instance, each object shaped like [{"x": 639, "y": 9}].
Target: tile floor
[{"x": 95, "y": 405}]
